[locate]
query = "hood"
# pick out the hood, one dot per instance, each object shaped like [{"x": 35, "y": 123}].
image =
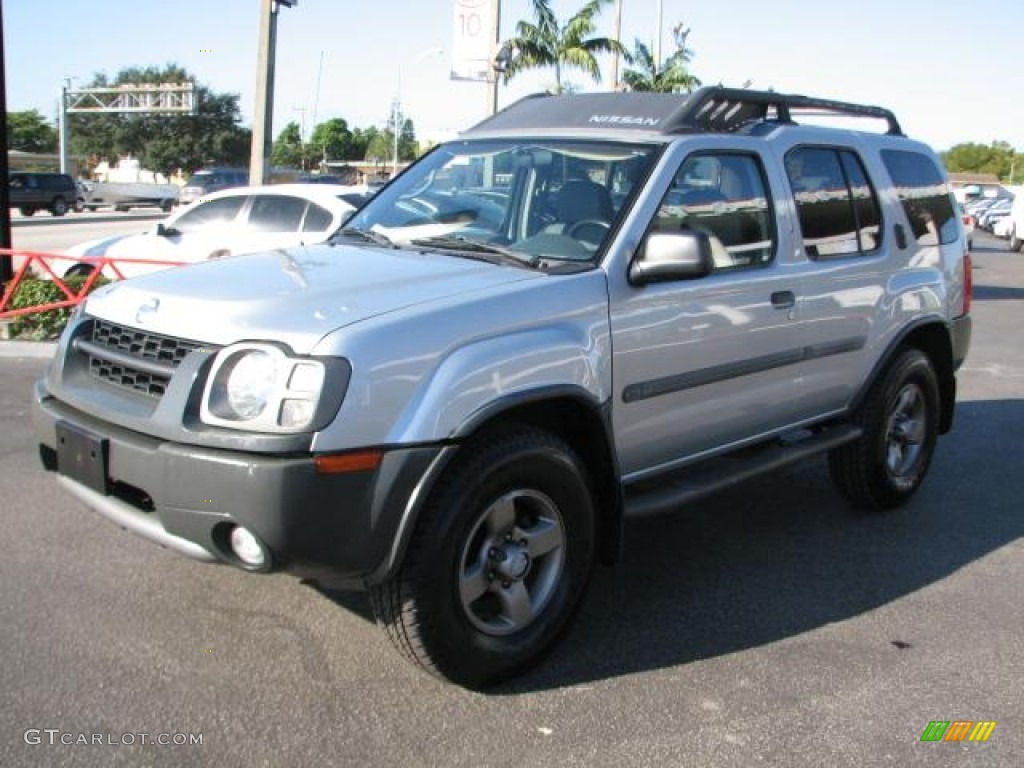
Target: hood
[
  {"x": 115, "y": 245},
  {"x": 296, "y": 296}
]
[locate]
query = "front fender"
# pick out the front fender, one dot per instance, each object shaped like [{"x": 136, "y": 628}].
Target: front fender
[{"x": 471, "y": 381}]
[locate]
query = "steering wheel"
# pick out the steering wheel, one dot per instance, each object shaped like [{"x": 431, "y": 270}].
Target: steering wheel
[{"x": 596, "y": 227}]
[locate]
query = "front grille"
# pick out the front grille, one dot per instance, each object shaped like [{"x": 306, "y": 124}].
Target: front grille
[{"x": 133, "y": 359}]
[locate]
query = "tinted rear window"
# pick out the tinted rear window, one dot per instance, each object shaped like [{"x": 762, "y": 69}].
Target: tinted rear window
[{"x": 924, "y": 194}]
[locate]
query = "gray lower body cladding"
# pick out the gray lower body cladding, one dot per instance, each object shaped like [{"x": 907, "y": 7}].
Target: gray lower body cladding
[{"x": 334, "y": 528}]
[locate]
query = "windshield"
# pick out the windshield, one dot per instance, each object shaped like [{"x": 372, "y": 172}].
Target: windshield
[{"x": 541, "y": 200}]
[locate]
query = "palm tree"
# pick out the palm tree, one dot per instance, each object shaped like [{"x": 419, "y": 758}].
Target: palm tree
[
  {"x": 543, "y": 43},
  {"x": 672, "y": 77}
]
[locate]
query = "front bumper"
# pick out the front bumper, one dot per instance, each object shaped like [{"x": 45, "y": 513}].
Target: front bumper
[{"x": 334, "y": 528}]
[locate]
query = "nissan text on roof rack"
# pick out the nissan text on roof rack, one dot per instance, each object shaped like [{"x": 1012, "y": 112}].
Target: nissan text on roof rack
[{"x": 584, "y": 309}]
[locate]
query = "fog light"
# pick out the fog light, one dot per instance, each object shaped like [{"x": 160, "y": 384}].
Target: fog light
[{"x": 247, "y": 547}]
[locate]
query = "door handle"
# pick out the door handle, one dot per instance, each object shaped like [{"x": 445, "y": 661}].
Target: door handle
[{"x": 783, "y": 300}]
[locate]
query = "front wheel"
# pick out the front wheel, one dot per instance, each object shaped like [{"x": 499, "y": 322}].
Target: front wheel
[
  {"x": 498, "y": 562},
  {"x": 899, "y": 418},
  {"x": 26, "y": 210},
  {"x": 1015, "y": 241},
  {"x": 59, "y": 206}
]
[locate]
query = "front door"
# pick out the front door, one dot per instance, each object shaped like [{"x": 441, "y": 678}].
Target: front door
[{"x": 703, "y": 363}]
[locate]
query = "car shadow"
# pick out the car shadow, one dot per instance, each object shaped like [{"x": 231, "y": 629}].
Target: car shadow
[
  {"x": 779, "y": 556},
  {"x": 784, "y": 554},
  {"x": 997, "y": 292}
]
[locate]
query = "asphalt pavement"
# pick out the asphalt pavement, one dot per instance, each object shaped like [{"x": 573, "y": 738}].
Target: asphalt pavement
[{"x": 768, "y": 625}]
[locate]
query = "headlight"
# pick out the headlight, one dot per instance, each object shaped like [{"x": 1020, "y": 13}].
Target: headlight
[
  {"x": 259, "y": 387},
  {"x": 250, "y": 384}
]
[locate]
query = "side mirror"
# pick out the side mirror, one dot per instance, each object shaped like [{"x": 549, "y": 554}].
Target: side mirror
[
  {"x": 681, "y": 255},
  {"x": 162, "y": 230}
]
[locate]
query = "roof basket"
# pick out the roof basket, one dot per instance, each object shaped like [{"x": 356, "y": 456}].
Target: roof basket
[{"x": 716, "y": 108}]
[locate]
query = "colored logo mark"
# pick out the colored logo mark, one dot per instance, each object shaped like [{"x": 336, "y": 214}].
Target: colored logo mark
[{"x": 958, "y": 730}]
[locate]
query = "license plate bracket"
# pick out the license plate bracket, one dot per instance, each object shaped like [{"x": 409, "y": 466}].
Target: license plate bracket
[{"x": 82, "y": 456}]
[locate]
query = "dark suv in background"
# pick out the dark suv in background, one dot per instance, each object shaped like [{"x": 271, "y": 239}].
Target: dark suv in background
[{"x": 30, "y": 192}]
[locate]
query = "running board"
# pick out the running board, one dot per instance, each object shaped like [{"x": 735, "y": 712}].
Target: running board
[{"x": 665, "y": 494}]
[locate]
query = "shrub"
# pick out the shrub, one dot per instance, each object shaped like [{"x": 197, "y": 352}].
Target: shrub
[{"x": 33, "y": 292}]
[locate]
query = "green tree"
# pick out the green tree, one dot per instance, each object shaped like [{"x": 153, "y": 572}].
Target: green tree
[
  {"x": 361, "y": 139},
  {"x": 288, "y": 150},
  {"x": 331, "y": 141},
  {"x": 29, "y": 132},
  {"x": 380, "y": 147},
  {"x": 672, "y": 76},
  {"x": 997, "y": 158},
  {"x": 165, "y": 142},
  {"x": 545, "y": 43}
]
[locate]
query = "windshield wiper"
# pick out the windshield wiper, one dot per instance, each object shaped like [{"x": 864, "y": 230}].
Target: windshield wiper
[
  {"x": 483, "y": 251},
  {"x": 366, "y": 235}
]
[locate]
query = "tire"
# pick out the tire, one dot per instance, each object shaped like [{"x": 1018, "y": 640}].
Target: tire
[
  {"x": 899, "y": 418},
  {"x": 1015, "y": 242},
  {"x": 79, "y": 270},
  {"x": 26, "y": 210},
  {"x": 59, "y": 206},
  {"x": 498, "y": 562}
]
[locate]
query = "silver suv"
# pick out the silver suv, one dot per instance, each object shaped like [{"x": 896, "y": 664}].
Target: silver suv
[{"x": 586, "y": 308}]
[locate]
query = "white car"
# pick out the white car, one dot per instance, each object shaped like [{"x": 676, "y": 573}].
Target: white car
[
  {"x": 227, "y": 223},
  {"x": 1003, "y": 227}
]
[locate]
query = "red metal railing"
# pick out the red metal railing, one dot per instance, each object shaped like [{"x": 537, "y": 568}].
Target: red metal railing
[{"x": 44, "y": 270}]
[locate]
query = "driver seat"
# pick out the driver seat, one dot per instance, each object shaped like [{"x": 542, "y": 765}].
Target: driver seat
[{"x": 580, "y": 200}]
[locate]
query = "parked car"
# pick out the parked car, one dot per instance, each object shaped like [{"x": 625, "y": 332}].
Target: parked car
[
  {"x": 1016, "y": 226},
  {"x": 1003, "y": 227},
  {"x": 978, "y": 207},
  {"x": 968, "y": 223},
  {"x": 205, "y": 182},
  {"x": 31, "y": 192},
  {"x": 996, "y": 211},
  {"x": 459, "y": 401},
  {"x": 227, "y": 223}
]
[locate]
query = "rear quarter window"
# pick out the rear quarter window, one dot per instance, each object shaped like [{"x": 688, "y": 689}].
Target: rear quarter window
[
  {"x": 924, "y": 194},
  {"x": 836, "y": 204}
]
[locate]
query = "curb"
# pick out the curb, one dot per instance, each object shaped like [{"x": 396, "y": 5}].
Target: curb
[{"x": 34, "y": 349}]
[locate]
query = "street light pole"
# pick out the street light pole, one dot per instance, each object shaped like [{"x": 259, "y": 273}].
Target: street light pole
[{"x": 397, "y": 118}]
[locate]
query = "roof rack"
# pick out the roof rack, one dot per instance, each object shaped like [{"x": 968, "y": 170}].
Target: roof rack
[
  {"x": 716, "y": 108},
  {"x": 712, "y": 108}
]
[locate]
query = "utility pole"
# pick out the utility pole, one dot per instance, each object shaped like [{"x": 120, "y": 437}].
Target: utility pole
[
  {"x": 6, "y": 265},
  {"x": 492, "y": 70},
  {"x": 657, "y": 39},
  {"x": 618, "y": 39},
  {"x": 263, "y": 115}
]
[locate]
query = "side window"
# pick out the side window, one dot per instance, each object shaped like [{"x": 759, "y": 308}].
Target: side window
[
  {"x": 837, "y": 207},
  {"x": 924, "y": 194},
  {"x": 212, "y": 213},
  {"x": 725, "y": 196},
  {"x": 317, "y": 219},
  {"x": 276, "y": 213}
]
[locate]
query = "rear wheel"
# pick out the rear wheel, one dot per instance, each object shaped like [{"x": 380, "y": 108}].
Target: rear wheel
[
  {"x": 899, "y": 418},
  {"x": 26, "y": 210},
  {"x": 1015, "y": 241},
  {"x": 498, "y": 562}
]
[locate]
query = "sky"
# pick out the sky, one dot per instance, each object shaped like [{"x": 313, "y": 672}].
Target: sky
[{"x": 948, "y": 73}]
